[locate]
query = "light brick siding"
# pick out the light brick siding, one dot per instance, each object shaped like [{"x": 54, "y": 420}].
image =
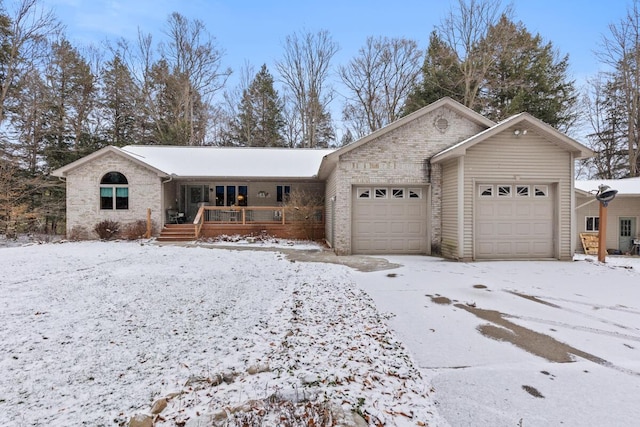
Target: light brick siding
[
  {"x": 398, "y": 157},
  {"x": 83, "y": 194}
]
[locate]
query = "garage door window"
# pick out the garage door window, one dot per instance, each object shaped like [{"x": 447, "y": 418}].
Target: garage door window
[
  {"x": 522, "y": 191},
  {"x": 486, "y": 191},
  {"x": 397, "y": 193},
  {"x": 541, "y": 191},
  {"x": 504, "y": 191},
  {"x": 364, "y": 193},
  {"x": 380, "y": 193},
  {"x": 415, "y": 193}
]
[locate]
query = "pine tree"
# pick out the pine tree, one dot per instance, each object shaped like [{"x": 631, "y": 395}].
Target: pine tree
[
  {"x": 120, "y": 99},
  {"x": 441, "y": 76},
  {"x": 260, "y": 122},
  {"x": 526, "y": 75}
]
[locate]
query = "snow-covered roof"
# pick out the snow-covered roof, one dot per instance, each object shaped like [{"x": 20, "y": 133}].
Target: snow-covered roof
[
  {"x": 625, "y": 186},
  {"x": 230, "y": 162}
]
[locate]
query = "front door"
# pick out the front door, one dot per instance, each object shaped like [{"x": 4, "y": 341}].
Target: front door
[
  {"x": 195, "y": 195},
  {"x": 626, "y": 234}
]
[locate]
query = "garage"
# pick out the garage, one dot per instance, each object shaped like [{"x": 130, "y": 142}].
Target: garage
[
  {"x": 389, "y": 220},
  {"x": 514, "y": 220}
]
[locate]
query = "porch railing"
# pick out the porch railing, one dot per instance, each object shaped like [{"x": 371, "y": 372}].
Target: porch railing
[{"x": 249, "y": 215}]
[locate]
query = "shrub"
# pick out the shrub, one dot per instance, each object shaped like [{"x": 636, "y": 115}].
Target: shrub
[
  {"x": 305, "y": 209},
  {"x": 78, "y": 233},
  {"x": 107, "y": 229},
  {"x": 137, "y": 230}
]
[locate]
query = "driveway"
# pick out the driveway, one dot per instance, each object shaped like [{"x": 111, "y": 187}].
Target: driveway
[{"x": 519, "y": 343}]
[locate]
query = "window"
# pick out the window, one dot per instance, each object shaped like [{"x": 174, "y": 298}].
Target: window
[
  {"x": 114, "y": 191},
  {"x": 282, "y": 193},
  {"x": 522, "y": 191},
  {"x": 397, "y": 193},
  {"x": 540, "y": 191},
  {"x": 486, "y": 190},
  {"x": 380, "y": 193},
  {"x": 504, "y": 190},
  {"x": 415, "y": 193},
  {"x": 592, "y": 223},
  {"x": 232, "y": 195},
  {"x": 364, "y": 193}
]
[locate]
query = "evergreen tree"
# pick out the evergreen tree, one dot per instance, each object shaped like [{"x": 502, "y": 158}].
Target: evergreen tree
[
  {"x": 526, "y": 75},
  {"x": 441, "y": 76},
  {"x": 120, "y": 104},
  {"x": 260, "y": 122}
]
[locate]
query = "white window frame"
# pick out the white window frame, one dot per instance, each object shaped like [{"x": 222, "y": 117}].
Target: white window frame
[
  {"x": 380, "y": 193},
  {"x": 523, "y": 191},
  {"x": 541, "y": 188},
  {"x": 483, "y": 188},
  {"x": 363, "y": 193},
  {"x": 416, "y": 191},
  {"x": 397, "y": 193},
  {"x": 501, "y": 188},
  {"x": 595, "y": 223}
]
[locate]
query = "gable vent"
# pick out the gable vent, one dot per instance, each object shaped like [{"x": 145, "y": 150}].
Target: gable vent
[{"x": 441, "y": 124}]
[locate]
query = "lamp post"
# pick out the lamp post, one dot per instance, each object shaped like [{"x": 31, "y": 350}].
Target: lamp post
[{"x": 604, "y": 195}]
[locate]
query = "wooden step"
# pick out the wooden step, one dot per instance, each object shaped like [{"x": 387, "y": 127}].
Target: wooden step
[{"x": 177, "y": 233}]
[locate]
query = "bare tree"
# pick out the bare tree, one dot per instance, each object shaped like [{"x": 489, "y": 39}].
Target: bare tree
[
  {"x": 379, "y": 80},
  {"x": 193, "y": 54},
  {"x": 25, "y": 35},
  {"x": 463, "y": 30},
  {"x": 621, "y": 52},
  {"x": 305, "y": 72}
]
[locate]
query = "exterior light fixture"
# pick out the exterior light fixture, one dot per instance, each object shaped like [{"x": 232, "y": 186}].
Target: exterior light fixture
[{"x": 604, "y": 195}]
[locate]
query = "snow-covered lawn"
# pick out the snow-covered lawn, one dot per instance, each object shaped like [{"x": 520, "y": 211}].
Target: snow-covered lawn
[{"x": 94, "y": 333}]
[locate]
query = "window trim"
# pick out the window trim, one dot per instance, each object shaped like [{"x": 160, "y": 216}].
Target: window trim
[
  {"x": 380, "y": 193},
  {"x": 500, "y": 190},
  {"x": 483, "y": 188},
  {"x": 595, "y": 223},
  {"x": 363, "y": 193},
  {"x": 117, "y": 202}
]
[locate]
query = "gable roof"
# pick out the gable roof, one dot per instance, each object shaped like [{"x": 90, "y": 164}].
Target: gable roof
[
  {"x": 542, "y": 128},
  {"x": 220, "y": 162},
  {"x": 447, "y": 102}
]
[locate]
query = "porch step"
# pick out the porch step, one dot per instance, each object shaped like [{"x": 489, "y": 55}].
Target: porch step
[{"x": 177, "y": 233}]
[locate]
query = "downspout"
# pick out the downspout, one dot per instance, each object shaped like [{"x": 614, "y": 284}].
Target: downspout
[{"x": 162, "y": 183}]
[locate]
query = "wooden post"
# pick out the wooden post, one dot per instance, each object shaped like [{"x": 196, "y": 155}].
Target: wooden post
[
  {"x": 148, "y": 235},
  {"x": 602, "y": 233}
]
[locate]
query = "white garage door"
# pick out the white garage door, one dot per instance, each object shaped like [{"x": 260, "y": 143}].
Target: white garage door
[
  {"x": 389, "y": 220},
  {"x": 514, "y": 221}
]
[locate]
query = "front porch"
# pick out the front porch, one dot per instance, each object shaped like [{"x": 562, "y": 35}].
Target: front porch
[{"x": 301, "y": 223}]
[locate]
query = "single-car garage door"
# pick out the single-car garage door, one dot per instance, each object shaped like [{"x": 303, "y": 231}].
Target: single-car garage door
[
  {"x": 514, "y": 221},
  {"x": 389, "y": 220}
]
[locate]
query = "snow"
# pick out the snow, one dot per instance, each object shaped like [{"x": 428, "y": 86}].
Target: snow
[
  {"x": 96, "y": 332},
  {"x": 242, "y": 162},
  {"x": 625, "y": 186}
]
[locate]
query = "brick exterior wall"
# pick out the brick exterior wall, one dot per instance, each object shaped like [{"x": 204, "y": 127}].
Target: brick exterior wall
[
  {"x": 83, "y": 194},
  {"x": 398, "y": 157}
]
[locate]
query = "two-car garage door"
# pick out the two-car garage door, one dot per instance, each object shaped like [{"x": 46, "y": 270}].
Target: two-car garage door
[
  {"x": 514, "y": 221},
  {"x": 389, "y": 220}
]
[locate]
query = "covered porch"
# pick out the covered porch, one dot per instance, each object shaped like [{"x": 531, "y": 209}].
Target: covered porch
[{"x": 288, "y": 222}]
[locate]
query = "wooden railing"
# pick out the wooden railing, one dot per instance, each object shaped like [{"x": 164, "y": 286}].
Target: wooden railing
[{"x": 246, "y": 215}]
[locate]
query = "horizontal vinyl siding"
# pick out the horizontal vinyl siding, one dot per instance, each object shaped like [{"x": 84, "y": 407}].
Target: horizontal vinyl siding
[
  {"x": 449, "y": 245},
  {"x": 621, "y": 206},
  {"x": 525, "y": 159}
]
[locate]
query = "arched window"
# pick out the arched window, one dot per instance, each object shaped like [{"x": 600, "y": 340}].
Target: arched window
[{"x": 114, "y": 191}]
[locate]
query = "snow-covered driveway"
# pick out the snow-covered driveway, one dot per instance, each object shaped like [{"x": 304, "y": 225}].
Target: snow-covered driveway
[{"x": 496, "y": 338}]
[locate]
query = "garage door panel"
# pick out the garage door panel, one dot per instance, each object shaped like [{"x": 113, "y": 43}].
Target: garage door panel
[
  {"x": 394, "y": 225},
  {"x": 514, "y": 227}
]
